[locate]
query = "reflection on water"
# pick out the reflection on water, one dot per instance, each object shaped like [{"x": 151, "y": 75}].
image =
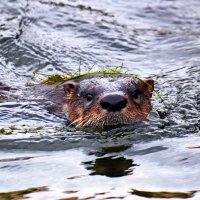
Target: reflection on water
[
  {"x": 159, "y": 168},
  {"x": 110, "y": 166},
  {"x": 165, "y": 195},
  {"x": 156, "y": 158},
  {"x": 21, "y": 194}
]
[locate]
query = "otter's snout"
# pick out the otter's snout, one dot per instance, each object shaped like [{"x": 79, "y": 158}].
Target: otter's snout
[{"x": 113, "y": 103}]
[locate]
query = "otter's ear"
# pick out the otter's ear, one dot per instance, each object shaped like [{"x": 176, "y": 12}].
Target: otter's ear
[
  {"x": 149, "y": 86},
  {"x": 70, "y": 87}
]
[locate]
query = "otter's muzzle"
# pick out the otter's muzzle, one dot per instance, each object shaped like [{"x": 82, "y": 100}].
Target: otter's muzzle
[{"x": 113, "y": 103}]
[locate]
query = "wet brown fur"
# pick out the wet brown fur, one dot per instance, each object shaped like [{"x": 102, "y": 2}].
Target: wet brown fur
[
  {"x": 67, "y": 98},
  {"x": 95, "y": 116}
]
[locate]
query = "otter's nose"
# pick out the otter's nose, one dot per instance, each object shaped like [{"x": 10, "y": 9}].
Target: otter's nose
[{"x": 113, "y": 103}]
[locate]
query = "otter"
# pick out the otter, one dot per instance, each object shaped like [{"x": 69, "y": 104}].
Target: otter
[
  {"x": 100, "y": 99},
  {"x": 93, "y": 100}
]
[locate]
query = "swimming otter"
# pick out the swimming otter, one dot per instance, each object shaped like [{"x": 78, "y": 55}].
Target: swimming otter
[{"x": 99, "y": 99}]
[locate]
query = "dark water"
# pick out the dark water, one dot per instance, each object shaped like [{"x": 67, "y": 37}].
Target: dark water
[{"x": 42, "y": 158}]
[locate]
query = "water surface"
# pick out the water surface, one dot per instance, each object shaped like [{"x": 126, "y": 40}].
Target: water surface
[{"x": 42, "y": 158}]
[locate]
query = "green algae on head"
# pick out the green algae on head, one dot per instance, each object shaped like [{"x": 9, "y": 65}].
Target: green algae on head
[
  {"x": 57, "y": 79},
  {"x": 61, "y": 78}
]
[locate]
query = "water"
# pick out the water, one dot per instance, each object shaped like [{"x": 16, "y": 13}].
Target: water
[{"x": 42, "y": 158}]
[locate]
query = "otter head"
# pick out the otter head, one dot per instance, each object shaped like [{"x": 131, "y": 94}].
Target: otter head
[{"x": 98, "y": 101}]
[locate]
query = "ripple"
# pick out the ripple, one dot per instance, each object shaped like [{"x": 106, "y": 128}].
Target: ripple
[{"x": 157, "y": 39}]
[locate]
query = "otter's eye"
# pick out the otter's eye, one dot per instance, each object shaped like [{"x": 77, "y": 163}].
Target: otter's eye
[
  {"x": 136, "y": 94},
  {"x": 89, "y": 97}
]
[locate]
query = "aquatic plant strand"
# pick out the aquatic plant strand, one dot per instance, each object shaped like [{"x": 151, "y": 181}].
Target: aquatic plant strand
[{"x": 58, "y": 79}]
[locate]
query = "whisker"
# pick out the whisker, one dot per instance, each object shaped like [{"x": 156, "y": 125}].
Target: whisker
[
  {"x": 75, "y": 121},
  {"x": 81, "y": 123}
]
